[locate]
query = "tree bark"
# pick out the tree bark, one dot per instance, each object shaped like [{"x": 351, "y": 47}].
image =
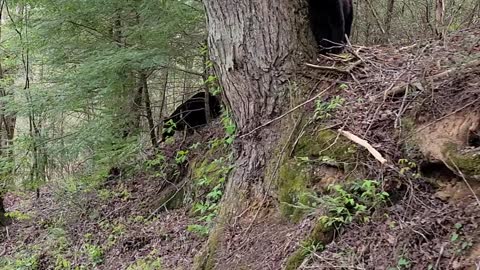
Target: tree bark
[
  {"x": 208, "y": 85},
  {"x": 377, "y": 19},
  {"x": 439, "y": 17},
  {"x": 148, "y": 110},
  {"x": 136, "y": 106},
  {"x": 129, "y": 94},
  {"x": 388, "y": 18},
  {"x": 162, "y": 105},
  {"x": 256, "y": 47},
  {"x": 3, "y": 218}
]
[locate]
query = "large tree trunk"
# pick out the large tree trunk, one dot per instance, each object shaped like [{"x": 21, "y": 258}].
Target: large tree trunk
[{"x": 257, "y": 47}]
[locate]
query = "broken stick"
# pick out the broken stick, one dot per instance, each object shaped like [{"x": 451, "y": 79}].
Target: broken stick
[{"x": 365, "y": 144}]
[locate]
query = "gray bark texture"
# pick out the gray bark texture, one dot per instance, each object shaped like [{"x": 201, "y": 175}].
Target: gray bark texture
[{"x": 257, "y": 47}]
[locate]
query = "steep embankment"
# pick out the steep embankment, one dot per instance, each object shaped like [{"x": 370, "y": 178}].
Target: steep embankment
[
  {"x": 419, "y": 106},
  {"x": 402, "y": 120},
  {"x": 416, "y": 108}
]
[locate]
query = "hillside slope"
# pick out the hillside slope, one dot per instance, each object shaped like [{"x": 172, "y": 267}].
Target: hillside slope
[{"x": 404, "y": 197}]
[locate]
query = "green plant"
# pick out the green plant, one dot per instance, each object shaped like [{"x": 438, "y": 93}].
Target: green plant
[
  {"x": 61, "y": 263},
  {"x": 170, "y": 126},
  {"x": 158, "y": 165},
  {"x": 158, "y": 160},
  {"x": 341, "y": 206},
  {"x": 403, "y": 263},
  {"x": 211, "y": 180},
  {"x": 407, "y": 166},
  {"x": 94, "y": 253},
  {"x": 208, "y": 208},
  {"x": 310, "y": 247},
  {"x": 194, "y": 146},
  {"x": 323, "y": 109},
  {"x": 181, "y": 156},
  {"x": 356, "y": 201},
  {"x": 198, "y": 229},
  {"x": 229, "y": 126},
  {"x": 139, "y": 219},
  {"x": 57, "y": 240},
  {"x": 23, "y": 260},
  {"x": 116, "y": 232},
  {"x": 17, "y": 215},
  {"x": 459, "y": 242},
  {"x": 343, "y": 86},
  {"x": 216, "y": 143},
  {"x": 105, "y": 194},
  {"x": 212, "y": 79},
  {"x": 147, "y": 263},
  {"x": 27, "y": 263},
  {"x": 370, "y": 193}
]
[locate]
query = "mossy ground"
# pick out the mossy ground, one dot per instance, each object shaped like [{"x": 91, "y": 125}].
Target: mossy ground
[
  {"x": 295, "y": 174},
  {"x": 328, "y": 144},
  {"x": 319, "y": 237},
  {"x": 205, "y": 259},
  {"x": 293, "y": 189},
  {"x": 467, "y": 163}
]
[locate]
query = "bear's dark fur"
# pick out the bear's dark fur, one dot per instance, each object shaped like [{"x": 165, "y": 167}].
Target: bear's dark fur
[
  {"x": 191, "y": 114},
  {"x": 330, "y": 21}
]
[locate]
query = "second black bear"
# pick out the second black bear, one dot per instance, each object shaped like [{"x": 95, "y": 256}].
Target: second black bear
[
  {"x": 330, "y": 21},
  {"x": 191, "y": 114}
]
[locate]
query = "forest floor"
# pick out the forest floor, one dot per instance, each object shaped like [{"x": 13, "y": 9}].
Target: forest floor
[
  {"x": 424, "y": 94},
  {"x": 105, "y": 229}
]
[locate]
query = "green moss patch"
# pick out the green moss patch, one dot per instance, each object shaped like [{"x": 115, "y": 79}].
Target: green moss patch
[
  {"x": 209, "y": 170},
  {"x": 326, "y": 143},
  {"x": 296, "y": 174},
  {"x": 319, "y": 237},
  {"x": 205, "y": 259},
  {"x": 293, "y": 189},
  {"x": 467, "y": 163}
]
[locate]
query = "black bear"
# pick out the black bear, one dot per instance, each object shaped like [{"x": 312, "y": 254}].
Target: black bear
[
  {"x": 330, "y": 21},
  {"x": 191, "y": 114}
]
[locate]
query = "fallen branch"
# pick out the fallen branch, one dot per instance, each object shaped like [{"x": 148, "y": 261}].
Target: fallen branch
[
  {"x": 418, "y": 85},
  {"x": 365, "y": 144},
  {"x": 442, "y": 249},
  {"x": 178, "y": 189},
  {"x": 400, "y": 89},
  {"x": 288, "y": 112},
  {"x": 341, "y": 70},
  {"x": 462, "y": 68}
]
